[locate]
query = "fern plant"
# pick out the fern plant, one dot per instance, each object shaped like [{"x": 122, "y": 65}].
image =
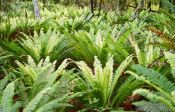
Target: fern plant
[
  {"x": 44, "y": 44},
  {"x": 13, "y": 26},
  {"x": 145, "y": 51},
  {"x": 9, "y": 103},
  {"x": 39, "y": 85},
  {"x": 35, "y": 74},
  {"x": 163, "y": 27},
  {"x": 164, "y": 88},
  {"x": 103, "y": 84},
  {"x": 39, "y": 46},
  {"x": 87, "y": 45}
]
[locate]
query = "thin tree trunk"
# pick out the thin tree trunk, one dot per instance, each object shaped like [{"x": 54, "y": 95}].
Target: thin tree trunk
[
  {"x": 1, "y": 1},
  {"x": 36, "y": 9},
  {"x": 92, "y": 6},
  {"x": 100, "y": 7},
  {"x": 95, "y": 3},
  {"x": 173, "y": 2},
  {"x": 160, "y": 4},
  {"x": 149, "y": 6}
]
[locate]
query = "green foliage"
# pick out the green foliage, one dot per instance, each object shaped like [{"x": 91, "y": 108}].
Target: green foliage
[
  {"x": 38, "y": 46},
  {"x": 85, "y": 46},
  {"x": 145, "y": 51},
  {"x": 158, "y": 82},
  {"x": 168, "y": 5},
  {"x": 151, "y": 107},
  {"x": 163, "y": 27},
  {"x": 103, "y": 82},
  {"x": 171, "y": 61},
  {"x": 33, "y": 79},
  {"x": 34, "y": 102},
  {"x": 156, "y": 78},
  {"x": 7, "y": 104},
  {"x": 42, "y": 73},
  {"x": 39, "y": 85},
  {"x": 12, "y": 27},
  {"x": 44, "y": 44}
]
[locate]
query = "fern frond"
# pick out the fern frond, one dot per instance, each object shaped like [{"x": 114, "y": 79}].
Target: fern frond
[
  {"x": 7, "y": 99},
  {"x": 164, "y": 96},
  {"x": 107, "y": 77},
  {"x": 150, "y": 51},
  {"x": 32, "y": 105},
  {"x": 4, "y": 82},
  {"x": 103, "y": 81},
  {"x": 51, "y": 78},
  {"x": 98, "y": 69},
  {"x": 137, "y": 50},
  {"x": 127, "y": 87},
  {"x": 43, "y": 44},
  {"x": 153, "y": 97},
  {"x": 119, "y": 72},
  {"x": 88, "y": 75},
  {"x": 54, "y": 104},
  {"x": 155, "y": 77},
  {"x": 151, "y": 106},
  {"x": 16, "y": 106}
]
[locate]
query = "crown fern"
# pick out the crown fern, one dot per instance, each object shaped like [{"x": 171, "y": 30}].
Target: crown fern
[
  {"x": 158, "y": 82},
  {"x": 104, "y": 81}
]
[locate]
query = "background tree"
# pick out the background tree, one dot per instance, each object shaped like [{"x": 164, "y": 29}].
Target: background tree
[{"x": 36, "y": 9}]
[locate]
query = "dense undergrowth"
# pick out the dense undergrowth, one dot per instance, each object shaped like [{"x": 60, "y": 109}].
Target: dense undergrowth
[{"x": 71, "y": 60}]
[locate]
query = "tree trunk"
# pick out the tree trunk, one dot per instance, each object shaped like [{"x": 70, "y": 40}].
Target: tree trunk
[
  {"x": 149, "y": 6},
  {"x": 160, "y": 4},
  {"x": 36, "y": 9},
  {"x": 173, "y": 2},
  {"x": 100, "y": 7},
  {"x": 95, "y": 3},
  {"x": 92, "y": 6}
]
